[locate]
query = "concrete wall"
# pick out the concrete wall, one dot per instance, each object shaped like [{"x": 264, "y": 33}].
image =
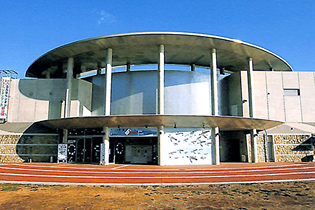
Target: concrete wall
[
  {"x": 223, "y": 94},
  {"x": 134, "y": 93},
  {"x": 271, "y": 101},
  {"x": 235, "y": 94},
  {"x": 186, "y": 92},
  {"x": 40, "y": 99}
]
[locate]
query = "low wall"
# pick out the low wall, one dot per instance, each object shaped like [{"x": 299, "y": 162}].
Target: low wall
[
  {"x": 292, "y": 148},
  {"x": 22, "y": 148},
  {"x": 286, "y": 148}
]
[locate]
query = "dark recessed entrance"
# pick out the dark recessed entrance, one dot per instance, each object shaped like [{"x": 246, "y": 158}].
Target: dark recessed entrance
[
  {"x": 133, "y": 150},
  {"x": 232, "y": 146}
]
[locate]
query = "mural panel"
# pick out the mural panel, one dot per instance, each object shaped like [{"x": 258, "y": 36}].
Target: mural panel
[{"x": 186, "y": 146}]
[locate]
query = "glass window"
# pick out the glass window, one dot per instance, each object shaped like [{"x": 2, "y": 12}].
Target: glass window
[{"x": 291, "y": 92}]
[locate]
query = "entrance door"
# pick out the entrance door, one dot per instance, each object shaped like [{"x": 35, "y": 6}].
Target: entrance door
[
  {"x": 117, "y": 150},
  {"x": 72, "y": 151},
  {"x": 230, "y": 147},
  {"x": 234, "y": 150},
  {"x": 134, "y": 150},
  {"x": 96, "y": 149},
  {"x": 84, "y": 150}
]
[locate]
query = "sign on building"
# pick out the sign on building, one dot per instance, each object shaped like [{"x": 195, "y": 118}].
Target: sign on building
[
  {"x": 124, "y": 132},
  {"x": 4, "y": 97},
  {"x": 62, "y": 153}
]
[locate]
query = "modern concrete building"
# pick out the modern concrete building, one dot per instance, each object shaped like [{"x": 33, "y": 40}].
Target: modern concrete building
[{"x": 158, "y": 98}]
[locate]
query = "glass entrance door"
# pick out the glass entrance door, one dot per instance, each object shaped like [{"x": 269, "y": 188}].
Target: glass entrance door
[{"x": 84, "y": 150}]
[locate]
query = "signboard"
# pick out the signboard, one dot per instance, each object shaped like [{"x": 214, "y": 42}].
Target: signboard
[
  {"x": 124, "y": 132},
  {"x": 62, "y": 153},
  {"x": 102, "y": 159},
  {"x": 4, "y": 96}
]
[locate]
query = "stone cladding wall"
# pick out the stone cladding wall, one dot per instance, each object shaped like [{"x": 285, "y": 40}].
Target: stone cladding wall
[
  {"x": 292, "y": 148},
  {"x": 8, "y": 149},
  {"x": 261, "y": 148},
  {"x": 22, "y": 148},
  {"x": 287, "y": 148}
]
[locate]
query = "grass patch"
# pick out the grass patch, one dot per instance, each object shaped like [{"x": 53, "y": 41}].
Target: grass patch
[{"x": 9, "y": 187}]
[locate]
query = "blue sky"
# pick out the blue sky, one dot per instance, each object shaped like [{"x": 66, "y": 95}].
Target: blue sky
[{"x": 31, "y": 28}]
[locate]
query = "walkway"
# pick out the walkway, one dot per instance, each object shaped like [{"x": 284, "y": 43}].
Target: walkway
[{"x": 68, "y": 174}]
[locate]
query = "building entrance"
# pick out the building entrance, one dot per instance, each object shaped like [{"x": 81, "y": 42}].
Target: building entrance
[
  {"x": 84, "y": 150},
  {"x": 232, "y": 146},
  {"x": 133, "y": 150}
]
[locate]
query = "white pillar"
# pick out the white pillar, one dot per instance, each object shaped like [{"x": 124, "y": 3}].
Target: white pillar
[
  {"x": 215, "y": 145},
  {"x": 251, "y": 104},
  {"x": 106, "y": 144},
  {"x": 69, "y": 87},
  {"x": 161, "y": 81},
  {"x": 214, "y": 84},
  {"x": 250, "y": 83},
  {"x": 253, "y": 141},
  {"x": 160, "y": 134},
  {"x": 109, "y": 58},
  {"x": 68, "y": 96},
  {"x": 215, "y": 108}
]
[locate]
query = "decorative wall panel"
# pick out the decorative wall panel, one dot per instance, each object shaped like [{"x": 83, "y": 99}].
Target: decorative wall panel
[{"x": 186, "y": 146}]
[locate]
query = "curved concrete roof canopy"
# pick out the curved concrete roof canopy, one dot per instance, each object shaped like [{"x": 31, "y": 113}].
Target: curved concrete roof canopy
[{"x": 142, "y": 48}]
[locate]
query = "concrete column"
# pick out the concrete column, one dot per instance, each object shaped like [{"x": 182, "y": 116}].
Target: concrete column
[
  {"x": 99, "y": 68},
  {"x": 128, "y": 67},
  {"x": 214, "y": 84},
  {"x": 215, "y": 145},
  {"x": 251, "y": 104},
  {"x": 109, "y": 58},
  {"x": 253, "y": 142},
  {"x": 65, "y": 136},
  {"x": 193, "y": 67},
  {"x": 106, "y": 144},
  {"x": 215, "y": 108},
  {"x": 69, "y": 87},
  {"x": 48, "y": 73},
  {"x": 250, "y": 83},
  {"x": 67, "y": 109},
  {"x": 160, "y": 133},
  {"x": 161, "y": 81}
]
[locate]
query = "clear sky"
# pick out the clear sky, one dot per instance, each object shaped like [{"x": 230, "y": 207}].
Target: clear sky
[{"x": 30, "y": 28}]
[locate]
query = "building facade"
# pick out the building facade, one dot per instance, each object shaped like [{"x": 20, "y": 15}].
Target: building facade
[{"x": 161, "y": 99}]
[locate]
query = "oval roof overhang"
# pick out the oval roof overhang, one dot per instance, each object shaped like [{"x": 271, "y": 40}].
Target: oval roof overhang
[
  {"x": 224, "y": 123},
  {"x": 142, "y": 48}
]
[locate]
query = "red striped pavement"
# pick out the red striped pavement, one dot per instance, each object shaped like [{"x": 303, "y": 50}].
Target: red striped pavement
[{"x": 44, "y": 173}]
